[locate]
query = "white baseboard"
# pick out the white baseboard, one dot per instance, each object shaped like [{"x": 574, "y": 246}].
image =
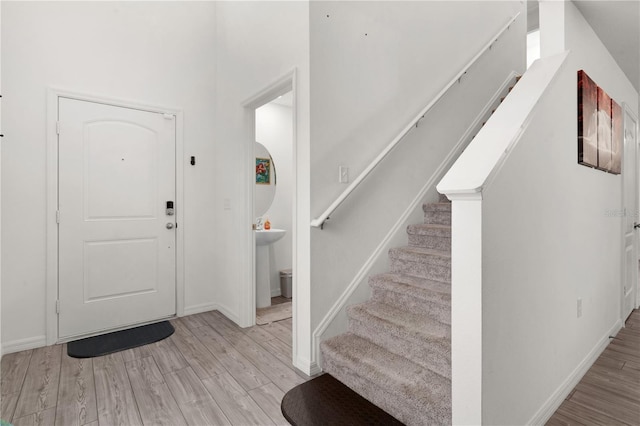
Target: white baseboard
[
  {"x": 205, "y": 307},
  {"x": 555, "y": 400},
  {"x": 196, "y": 309},
  {"x": 307, "y": 366},
  {"x": 24, "y": 344}
]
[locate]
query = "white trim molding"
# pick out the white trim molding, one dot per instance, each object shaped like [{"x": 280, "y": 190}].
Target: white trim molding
[
  {"x": 555, "y": 400},
  {"x": 24, "y": 344}
]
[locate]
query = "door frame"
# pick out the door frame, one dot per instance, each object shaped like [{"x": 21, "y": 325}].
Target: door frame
[
  {"x": 53, "y": 94},
  {"x": 628, "y": 111},
  {"x": 285, "y": 84}
]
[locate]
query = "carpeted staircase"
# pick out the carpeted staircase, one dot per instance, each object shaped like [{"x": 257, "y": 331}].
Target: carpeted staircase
[{"x": 397, "y": 352}]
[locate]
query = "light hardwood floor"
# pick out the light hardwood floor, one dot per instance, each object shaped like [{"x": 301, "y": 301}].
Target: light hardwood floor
[
  {"x": 609, "y": 394},
  {"x": 209, "y": 372}
]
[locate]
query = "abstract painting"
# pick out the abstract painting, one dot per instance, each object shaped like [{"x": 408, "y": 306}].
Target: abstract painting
[
  {"x": 600, "y": 127},
  {"x": 587, "y": 121}
]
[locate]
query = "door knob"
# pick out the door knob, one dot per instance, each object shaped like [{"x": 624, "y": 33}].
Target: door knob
[
  {"x": 169, "y": 225},
  {"x": 636, "y": 225}
]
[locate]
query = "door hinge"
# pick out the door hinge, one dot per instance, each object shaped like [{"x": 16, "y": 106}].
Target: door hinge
[
  {"x": 57, "y": 127},
  {"x": 58, "y": 306},
  {"x": 58, "y": 216}
]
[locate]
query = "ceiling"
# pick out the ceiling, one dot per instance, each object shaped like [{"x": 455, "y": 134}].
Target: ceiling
[{"x": 617, "y": 24}]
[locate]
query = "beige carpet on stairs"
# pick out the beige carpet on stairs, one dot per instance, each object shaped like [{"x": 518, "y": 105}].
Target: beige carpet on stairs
[{"x": 273, "y": 313}]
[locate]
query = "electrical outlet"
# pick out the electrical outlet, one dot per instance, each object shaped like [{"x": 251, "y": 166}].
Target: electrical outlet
[
  {"x": 343, "y": 174},
  {"x": 579, "y": 308}
]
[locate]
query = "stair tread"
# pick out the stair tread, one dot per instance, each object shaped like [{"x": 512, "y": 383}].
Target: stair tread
[
  {"x": 400, "y": 322},
  {"x": 430, "y": 229},
  {"x": 419, "y": 251},
  {"x": 415, "y": 387},
  {"x": 403, "y": 283},
  {"x": 437, "y": 206}
]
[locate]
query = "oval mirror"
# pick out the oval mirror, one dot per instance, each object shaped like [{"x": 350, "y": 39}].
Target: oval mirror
[{"x": 265, "y": 180}]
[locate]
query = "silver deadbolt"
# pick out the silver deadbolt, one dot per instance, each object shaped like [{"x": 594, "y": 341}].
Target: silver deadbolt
[
  {"x": 169, "y": 225},
  {"x": 170, "y": 210}
]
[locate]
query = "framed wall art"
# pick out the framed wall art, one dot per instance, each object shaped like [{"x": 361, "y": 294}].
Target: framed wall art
[
  {"x": 263, "y": 171},
  {"x": 600, "y": 129}
]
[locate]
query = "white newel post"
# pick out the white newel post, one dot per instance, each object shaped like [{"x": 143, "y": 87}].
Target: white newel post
[{"x": 466, "y": 308}]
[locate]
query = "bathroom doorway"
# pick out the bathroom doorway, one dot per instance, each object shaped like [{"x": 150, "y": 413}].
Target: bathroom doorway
[
  {"x": 273, "y": 209},
  {"x": 285, "y": 332}
]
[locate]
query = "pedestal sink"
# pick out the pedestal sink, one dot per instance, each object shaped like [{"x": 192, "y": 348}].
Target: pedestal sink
[{"x": 264, "y": 238}]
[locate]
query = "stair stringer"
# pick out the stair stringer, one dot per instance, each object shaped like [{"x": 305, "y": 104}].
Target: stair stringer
[{"x": 335, "y": 321}]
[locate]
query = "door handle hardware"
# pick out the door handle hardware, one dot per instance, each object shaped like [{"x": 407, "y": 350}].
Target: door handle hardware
[
  {"x": 170, "y": 210},
  {"x": 169, "y": 225},
  {"x": 636, "y": 225}
]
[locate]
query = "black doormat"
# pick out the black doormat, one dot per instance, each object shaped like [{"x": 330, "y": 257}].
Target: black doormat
[
  {"x": 119, "y": 340},
  {"x": 326, "y": 401}
]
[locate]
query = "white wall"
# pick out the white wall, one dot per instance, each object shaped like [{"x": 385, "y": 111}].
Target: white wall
[
  {"x": 548, "y": 241},
  {"x": 257, "y": 44},
  {"x": 274, "y": 129},
  {"x": 374, "y": 66},
  {"x": 153, "y": 53}
]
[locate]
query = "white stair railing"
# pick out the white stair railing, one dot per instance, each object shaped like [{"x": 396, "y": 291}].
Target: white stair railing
[{"x": 320, "y": 220}]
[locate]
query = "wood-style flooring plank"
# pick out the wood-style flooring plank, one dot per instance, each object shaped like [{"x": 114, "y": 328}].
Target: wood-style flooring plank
[
  {"x": 167, "y": 356},
  {"x": 155, "y": 402},
  {"x": 115, "y": 400},
  {"x": 41, "y": 418},
  {"x": 222, "y": 325},
  {"x": 40, "y": 388},
  {"x": 76, "y": 392},
  {"x": 236, "y": 404},
  {"x": 194, "y": 321},
  {"x": 8, "y": 406},
  {"x": 179, "y": 325},
  {"x": 280, "y": 331},
  {"x": 136, "y": 353},
  {"x": 238, "y": 365},
  {"x": 258, "y": 333},
  {"x": 577, "y": 414},
  {"x": 269, "y": 398},
  {"x": 14, "y": 368},
  {"x": 196, "y": 404},
  {"x": 203, "y": 363},
  {"x": 279, "y": 349},
  {"x": 280, "y": 374},
  {"x": 605, "y": 403}
]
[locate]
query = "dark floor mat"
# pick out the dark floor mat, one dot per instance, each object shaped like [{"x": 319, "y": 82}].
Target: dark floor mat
[
  {"x": 326, "y": 401},
  {"x": 119, "y": 340}
]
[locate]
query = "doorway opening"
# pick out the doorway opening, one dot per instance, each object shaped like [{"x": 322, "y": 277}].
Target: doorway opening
[
  {"x": 270, "y": 148},
  {"x": 273, "y": 208}
]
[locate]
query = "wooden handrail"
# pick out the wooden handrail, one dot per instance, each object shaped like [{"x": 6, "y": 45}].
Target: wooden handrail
[{"x": 320, "y": 220}]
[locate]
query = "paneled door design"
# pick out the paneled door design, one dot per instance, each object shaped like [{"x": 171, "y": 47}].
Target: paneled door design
[{"x": 116, "y": 235}]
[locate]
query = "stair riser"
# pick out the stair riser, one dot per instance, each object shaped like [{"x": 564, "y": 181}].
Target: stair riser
[
  {"x": 437, "y": 218},
  {"x": 430, "y": 242},
  {"x": 440, "y": 311},
  {"x": 397, "y": 405},
  {"x": 440, "y": 271},
  {"x": 433, "y": 355}
]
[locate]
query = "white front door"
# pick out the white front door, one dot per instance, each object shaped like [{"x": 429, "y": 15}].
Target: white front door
[
  {"x": 117, "y": 244},
  {"x": 630, "y": 194}
]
